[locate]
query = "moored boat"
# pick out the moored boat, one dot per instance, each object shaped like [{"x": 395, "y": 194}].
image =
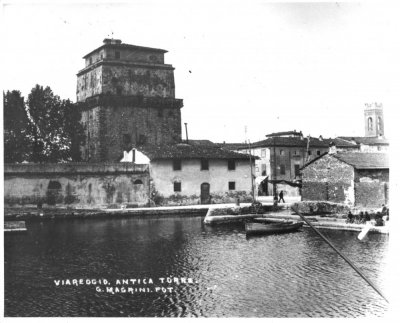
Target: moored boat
[{"x": 272, "y": 228}]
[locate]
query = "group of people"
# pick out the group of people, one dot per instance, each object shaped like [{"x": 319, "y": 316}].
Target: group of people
[{"x": 363, "y": 217}]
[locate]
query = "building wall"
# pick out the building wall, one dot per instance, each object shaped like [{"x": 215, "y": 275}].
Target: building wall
[
  {"x": 136, "y": 55},
  {"x": 90, "y": 83},
  {"x": 76, "y": 184},
  {"x": 328, "y": 179},
  {"x": 191, "y": 177},
  {"x": 374, "y": 148},
  {"x": 371, "y": 187},
  {"x": 126, "y": 79}
]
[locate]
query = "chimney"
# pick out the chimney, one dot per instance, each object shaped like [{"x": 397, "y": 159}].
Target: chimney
[
  {"x": 332, "y": 148},
  {"x": 301, "y": 135},
  {"x": 111, "y": 41},
  {"x": 320, "y": 138}
]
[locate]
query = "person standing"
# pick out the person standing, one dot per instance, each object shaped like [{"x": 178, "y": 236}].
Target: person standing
[{"x": 281, "y": 197}]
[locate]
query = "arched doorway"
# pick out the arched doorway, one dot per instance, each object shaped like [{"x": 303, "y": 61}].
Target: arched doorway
[{"x": 205, "y": 197}]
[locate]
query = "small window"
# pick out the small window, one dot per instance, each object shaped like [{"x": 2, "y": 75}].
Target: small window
[
  {"x": 263, "y": 169},
  {"x": 126, "y": 138},
  {"x": 263, "y": 152},
  {"x": 177, "y": 164},
  {"x": 379, "y": 148},
  {"x": 142, "y": 139},
  {"x": 309, "y": 153},
  {"x": 318, "y": 153},
  {"x": 90, "y": 60},
  {"x": 282, "y": 169},
  {"x": 231, "y": 164},
  {"x": 117, "y": 55},
  {"x": 296, "y": 170},
  {"x": 204, "y": 164},
  {"x": 177, "y": 186},
  {"x": 282, "y": 152},
  {"x": 138, "y": 182},
  {"x": 232, "y": 186},
  {"x": 295, "y": 152}
]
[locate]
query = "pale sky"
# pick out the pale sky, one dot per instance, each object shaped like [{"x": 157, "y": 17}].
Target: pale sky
[{"x": 262, "y": 65}]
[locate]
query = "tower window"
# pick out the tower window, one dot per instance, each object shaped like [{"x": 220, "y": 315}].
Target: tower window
[
  {"x": 176, "y": 164},
  {"x": 379, "y": 124},
  {"x": 282, "y": 169},
  {"x": 142, "y": 139},
  {"x": 231, "y": 164},
  {"x": 204, "y": 164},
  {"x": 177, "y": 187},
  {"x": 117, "y": 55},
  {"x": 231, "y": 186},
  {"x": 369, "y": 124},
  {"x": 126, "y": 139}
]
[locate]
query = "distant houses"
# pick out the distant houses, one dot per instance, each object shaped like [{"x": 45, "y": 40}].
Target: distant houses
[{"x": 357, "y": 179}]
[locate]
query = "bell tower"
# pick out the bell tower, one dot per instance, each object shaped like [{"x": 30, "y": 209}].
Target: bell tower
[
  {"x": 127, "y": 97},
  {"x": 373, "y": 119}
]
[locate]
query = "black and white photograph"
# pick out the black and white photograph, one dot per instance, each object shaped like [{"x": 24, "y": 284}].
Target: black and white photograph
[{"x": 199, "y": 159}]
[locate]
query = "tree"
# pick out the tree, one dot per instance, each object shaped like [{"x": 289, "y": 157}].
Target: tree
[
  {"x": 17, "y": 145},
  {"x": 56, "y": 133}
]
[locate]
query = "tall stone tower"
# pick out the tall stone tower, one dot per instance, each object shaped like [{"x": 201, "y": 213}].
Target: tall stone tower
[
  {"x": 373, "y": 118},
  {"x": 127, "y": 97}
]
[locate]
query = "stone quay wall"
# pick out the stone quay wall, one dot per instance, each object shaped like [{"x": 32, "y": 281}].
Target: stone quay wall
[{"x": 76, "y": 184}]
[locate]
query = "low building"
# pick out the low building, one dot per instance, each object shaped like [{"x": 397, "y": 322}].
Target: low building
[
  {"x": 194, "y": 173},
  {"x": 357, "y": 179}
]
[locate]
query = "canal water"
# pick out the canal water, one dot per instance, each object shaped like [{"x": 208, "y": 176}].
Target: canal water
[{"x": 187, "y": 269}]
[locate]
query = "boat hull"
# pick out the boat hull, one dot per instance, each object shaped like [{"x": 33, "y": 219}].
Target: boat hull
[{"x": 261, "y": 228}]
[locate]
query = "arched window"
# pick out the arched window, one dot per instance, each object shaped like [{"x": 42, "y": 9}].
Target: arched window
[
  {"x": 379, "y": 124},
  {"x": 370, "y": 124},
  {"x": 138, "y": 182}
]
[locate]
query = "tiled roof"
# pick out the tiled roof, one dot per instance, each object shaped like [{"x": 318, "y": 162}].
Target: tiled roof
[
  {"x": 203, "y": 142},
  {"x": 189, "y": 151},
  {"x": 300, "y": 142},
  {"x": 233, "y": 146},
  {"x": 367, "y": 140},
  {"x": 361, "y": 160}
]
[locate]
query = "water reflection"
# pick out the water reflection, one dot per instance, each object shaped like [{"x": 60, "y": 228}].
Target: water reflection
[{"x": 290, "y": 275}]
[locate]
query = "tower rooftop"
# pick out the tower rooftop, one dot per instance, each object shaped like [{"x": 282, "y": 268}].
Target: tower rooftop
[{"x": 117, "y": 44}]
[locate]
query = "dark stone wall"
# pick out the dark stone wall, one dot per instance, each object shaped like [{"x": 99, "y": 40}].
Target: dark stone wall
[
  {"x": 328, "y": 179},
  {"x": 371, "y": 194},
  {"x": 114, "y": 128}
]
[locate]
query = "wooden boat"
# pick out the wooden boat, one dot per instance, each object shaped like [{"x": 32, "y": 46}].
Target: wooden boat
[{"x": 272, "y": 228}]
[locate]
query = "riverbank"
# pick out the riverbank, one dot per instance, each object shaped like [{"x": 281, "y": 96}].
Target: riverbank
[{"x": 283, "y": 212}]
